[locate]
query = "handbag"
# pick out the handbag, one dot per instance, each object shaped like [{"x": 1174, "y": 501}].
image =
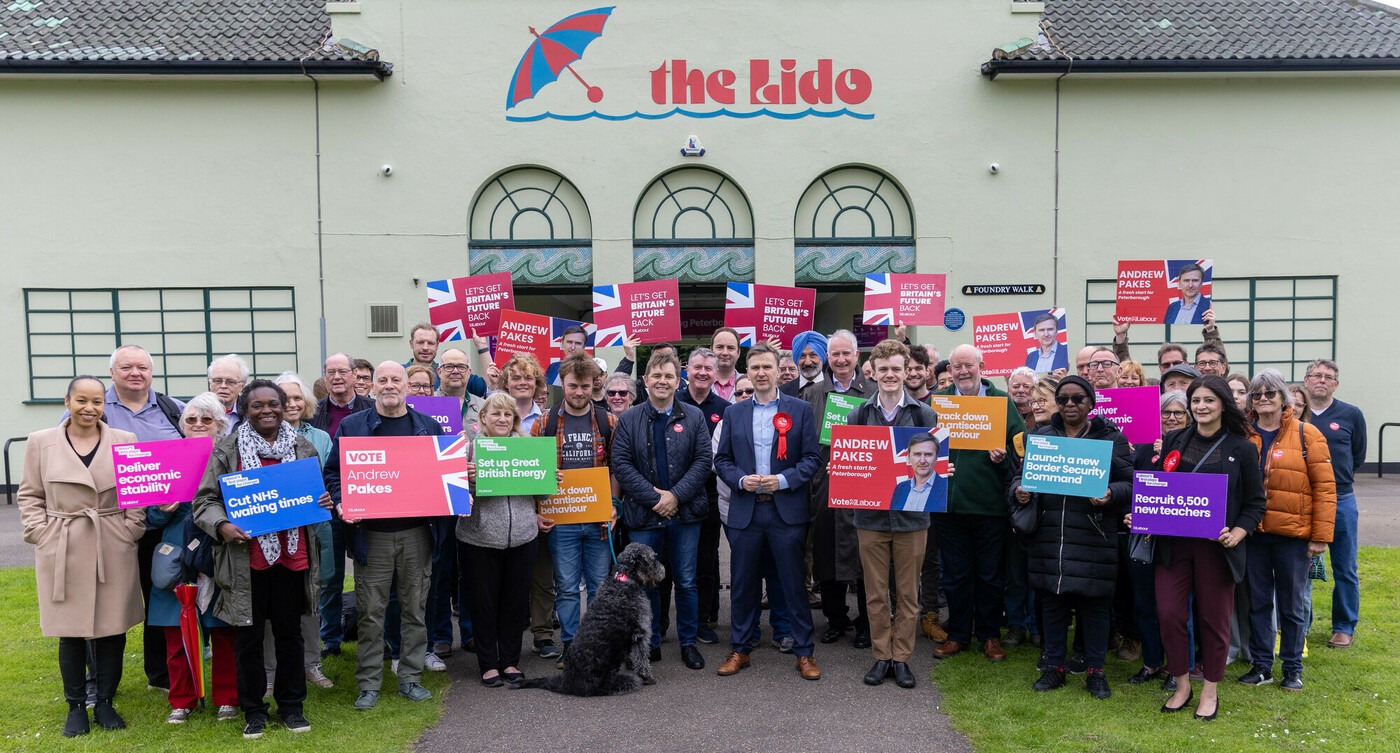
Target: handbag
[
  {"x": 1141, "y": 547},
  {"x": 1025, "y": 518},
  {"x": 167, "y": 568}
]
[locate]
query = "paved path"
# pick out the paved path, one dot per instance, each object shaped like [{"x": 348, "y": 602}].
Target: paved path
[{"x": 766, "y": 707}]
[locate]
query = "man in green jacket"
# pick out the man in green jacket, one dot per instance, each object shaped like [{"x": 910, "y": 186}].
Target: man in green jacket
[{"x": 972, "y": 534}]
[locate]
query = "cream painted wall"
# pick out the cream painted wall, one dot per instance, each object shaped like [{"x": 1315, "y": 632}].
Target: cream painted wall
[{"x": 204, "y": 182}]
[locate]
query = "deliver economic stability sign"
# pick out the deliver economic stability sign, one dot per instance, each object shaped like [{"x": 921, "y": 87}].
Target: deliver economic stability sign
[
  {"x": 404, "y": 477},
  {"x": 160, "y": 472},
  {"x": 516, "y": 465},
  {"x": 1136, "y": 411},
  {"x": 1179, "y": 504},
  {"x": 275, "y": 497}
]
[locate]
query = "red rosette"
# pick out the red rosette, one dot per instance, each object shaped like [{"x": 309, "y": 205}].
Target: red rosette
[
  {"x": 782, "y": 422},
  {"x": 1172, "y": 461}
]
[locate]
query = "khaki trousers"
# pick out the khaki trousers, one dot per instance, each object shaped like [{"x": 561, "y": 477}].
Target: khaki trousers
[{"x": 892, "y": 637}]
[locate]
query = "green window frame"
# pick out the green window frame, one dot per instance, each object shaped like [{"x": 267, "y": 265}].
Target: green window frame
[
  {"x": 74, "y": 331},
  {"x": 1265, "y": 322}
]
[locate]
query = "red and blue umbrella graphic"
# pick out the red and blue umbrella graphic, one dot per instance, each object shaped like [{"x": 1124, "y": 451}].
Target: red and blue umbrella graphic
[{"x": 554, "y": 51}]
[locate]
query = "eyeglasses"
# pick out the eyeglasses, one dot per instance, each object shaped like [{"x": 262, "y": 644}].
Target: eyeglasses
[
  {"x": 619, "y": 393},
  {"x": 366, "y": 378},
  {"x": 222, "y": 382},
  {"x": 337, "y": 372},
  {"x": 192, "y": 420},
  {"x": 742, "y": 393},
  {"x": 423, "y": 389},
  {"x": 454, "y": 367},
  {"x": 1212, "y": 363},
  {"x": 1102, "y": 364},
  {"x": 1039, "y": 401},
  {"x": 1321, "y": 377},
  {"x": 1067, "y": 399},
  {"x": 1173, "y": 414},
  {"x": 1264, "y": 394},
  {"x": 1168, "y": 364}
]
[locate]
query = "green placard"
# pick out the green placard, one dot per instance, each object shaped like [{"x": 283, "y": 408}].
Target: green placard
[
  {"x": 516, "y": 465},
  {"x": 838, "y": 407}
]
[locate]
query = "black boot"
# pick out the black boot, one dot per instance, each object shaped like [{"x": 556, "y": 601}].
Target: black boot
[
  {"x": 106, "y": 716},
  {"x": 77, "y": 723}
]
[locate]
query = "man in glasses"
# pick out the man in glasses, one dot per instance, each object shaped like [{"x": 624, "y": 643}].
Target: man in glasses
[
  {"x": 1104, "y": 369},
  {"x": 1211, "y": 360},
  {"x": 341, "y": 402},
  {"x": 364, "y": 377},
  {"x": 972, "y": 534},
  {"x": 699, "y": 393},
  {"x": 227, "y": 375},
  {"x": 454, "y": 374},
  {"x": 1344, "y": 427}
]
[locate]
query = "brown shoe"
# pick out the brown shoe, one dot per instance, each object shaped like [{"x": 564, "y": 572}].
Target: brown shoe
[
  {"x": 947, "y": 649},
  {"x": 807, "y": 666},
  {"x": 1339, "y": 640},
  {"x": 992, "y": 648},
  {"x": 1131, "y": 650},
  {"x": 732, "y": 664},
  {"x": 929, "y": 625}
]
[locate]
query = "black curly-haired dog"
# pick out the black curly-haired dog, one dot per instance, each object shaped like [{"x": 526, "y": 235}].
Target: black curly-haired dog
[{"x": 611, "y": 653}]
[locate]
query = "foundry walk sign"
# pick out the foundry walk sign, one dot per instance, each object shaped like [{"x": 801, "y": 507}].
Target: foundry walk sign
[{"x": 1035, "y": 289}]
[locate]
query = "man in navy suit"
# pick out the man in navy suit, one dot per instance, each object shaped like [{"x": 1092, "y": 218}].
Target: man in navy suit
[
  {"x": 1049, "y": 354},
  {"x": 768, "y": 452},
  {"x": 1191, "y": 305}
]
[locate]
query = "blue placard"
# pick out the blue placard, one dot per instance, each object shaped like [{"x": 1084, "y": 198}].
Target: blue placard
[
  {"x": 275, "y": 497},
  {"x": 954, "y": 319},
  {"x": 1063, "y": 465}
]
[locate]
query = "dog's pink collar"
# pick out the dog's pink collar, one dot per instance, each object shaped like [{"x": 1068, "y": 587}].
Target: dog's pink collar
[{"x": 621, "y": 577}]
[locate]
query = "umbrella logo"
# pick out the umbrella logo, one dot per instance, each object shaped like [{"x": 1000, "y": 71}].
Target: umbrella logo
[{"x": 553, "y": 52}]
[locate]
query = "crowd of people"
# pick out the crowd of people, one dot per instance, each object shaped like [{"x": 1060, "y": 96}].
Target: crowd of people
[{"x": 724, "y": 443}]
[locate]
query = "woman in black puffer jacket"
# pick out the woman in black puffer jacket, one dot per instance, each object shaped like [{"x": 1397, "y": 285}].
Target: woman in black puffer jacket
[{"x": 1074, "y": 549}]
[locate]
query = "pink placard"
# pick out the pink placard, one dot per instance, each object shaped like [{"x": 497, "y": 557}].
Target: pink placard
[
  {"x": 1135, "y": 410},
  {"x": 648, "y": 311},
  {"x": 893, "y": 299},
  {"x": 461, "y": 305},
  {"x": 160, "y": 472},
  {"x": 759, "y": 312}
]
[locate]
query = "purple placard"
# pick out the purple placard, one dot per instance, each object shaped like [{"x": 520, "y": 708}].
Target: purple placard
[
  {"x": 1135, "y": 410},
  {"x": 447, "y": 411},
  {"x": 160, "y": 472},
  {"x": 1179, "y": 504}
]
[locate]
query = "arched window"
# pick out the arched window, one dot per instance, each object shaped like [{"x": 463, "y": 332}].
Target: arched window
[
  {"x": 533, "y": 223},
  {"x": 694, "y": 224},
  {"x": 850, "y": 221}
]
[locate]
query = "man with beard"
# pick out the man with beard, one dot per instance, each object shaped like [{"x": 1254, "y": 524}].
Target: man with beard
[{"x": 810, "y": 349}]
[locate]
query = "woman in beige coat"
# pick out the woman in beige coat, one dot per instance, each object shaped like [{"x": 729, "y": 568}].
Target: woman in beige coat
[{"x": 84, "y": 549}]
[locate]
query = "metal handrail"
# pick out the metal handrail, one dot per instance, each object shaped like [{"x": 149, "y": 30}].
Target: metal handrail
[
  {"x": 9, "y": 493},
  {"x": 1380, "y": 456}
]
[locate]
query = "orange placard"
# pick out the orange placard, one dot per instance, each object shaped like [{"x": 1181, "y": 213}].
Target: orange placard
[
  {"x": 584, "y": 496},
  {"x": 973, "y": 423}
]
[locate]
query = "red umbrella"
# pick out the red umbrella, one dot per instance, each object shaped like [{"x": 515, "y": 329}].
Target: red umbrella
[
  {"x": 553, "y": 51},
  {"x": 189, "y": 634}
]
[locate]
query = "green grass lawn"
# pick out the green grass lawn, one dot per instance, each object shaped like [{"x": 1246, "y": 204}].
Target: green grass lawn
[
  {"x": 1349, "y": 701},
  {"x": 32, "y": 708}
]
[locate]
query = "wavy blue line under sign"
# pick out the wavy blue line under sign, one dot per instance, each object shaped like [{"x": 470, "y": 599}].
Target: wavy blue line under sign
[{"x": 809, "y": 112}]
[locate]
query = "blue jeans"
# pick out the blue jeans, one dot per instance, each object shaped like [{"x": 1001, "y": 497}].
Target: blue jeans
[
  {"x": 439, "y": 614},
  {"x": 1346, "y": 589},
  {"x": 332, "y": 588},
  {"x": 1277, "y": 574},
  {"x": 579, "y": 553},
  {"x": 678, "y": 545}
]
